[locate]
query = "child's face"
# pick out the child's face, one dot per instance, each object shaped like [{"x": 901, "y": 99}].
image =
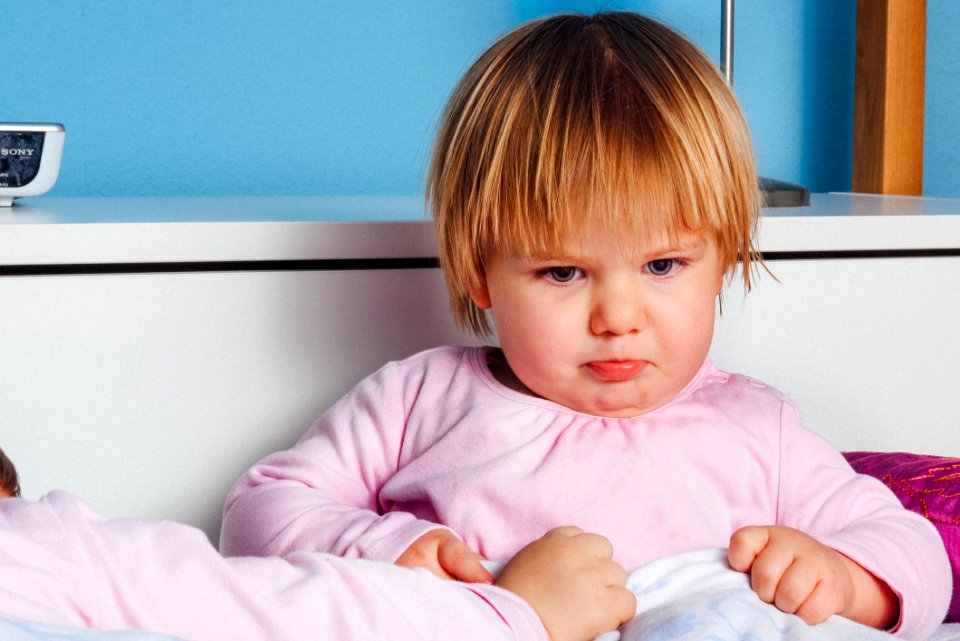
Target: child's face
[{"x": 605, "y": 325}]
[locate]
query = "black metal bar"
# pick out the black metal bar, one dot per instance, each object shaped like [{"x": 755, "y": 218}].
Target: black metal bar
[{"x": 331, "y": 264}]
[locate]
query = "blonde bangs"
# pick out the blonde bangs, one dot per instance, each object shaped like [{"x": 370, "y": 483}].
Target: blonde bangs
[{"x": 614, "y": 121}]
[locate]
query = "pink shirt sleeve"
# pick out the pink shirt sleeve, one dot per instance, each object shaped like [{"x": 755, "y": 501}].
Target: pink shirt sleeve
[
  {"x": 858, "y": 516},
  {"x": 322, "y": 494},
  {"x": 65, "y": 565}
]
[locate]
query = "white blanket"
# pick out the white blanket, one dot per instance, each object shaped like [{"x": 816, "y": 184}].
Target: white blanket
[{"x": 696, "y": 596}]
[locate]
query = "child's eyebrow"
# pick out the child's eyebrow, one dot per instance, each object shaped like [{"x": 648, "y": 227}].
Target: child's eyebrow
[
  {"x": 692, "y": 244},
  {"x": 540, "y": 257},
  {"x": 680, "y": 247}
]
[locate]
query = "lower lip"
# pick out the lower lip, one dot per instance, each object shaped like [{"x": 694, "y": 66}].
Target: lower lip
[{"x": 617, "y": 370}]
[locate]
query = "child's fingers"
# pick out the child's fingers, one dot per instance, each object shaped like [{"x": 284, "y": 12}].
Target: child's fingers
[
  {"x": 625, "y": 603},
  {"x": 433, "y": 566},
  {"x": 751, "y": 551},
  {"x": 795, "y": 587},
  {"x": 564, "y": 530},
  {"x": 424, "y": 553},
  {"x": 793, "y": 571},
  {"x": 767, "y": 572},
  {"x": 745, "y": 544},
  {"x": 597, "y": 545},
  {"x": 461, "y": 562},
  {"x": 819, "y": 605},
  {"x": 572, "y": 582},
  {"x": 589, "y": 542}
]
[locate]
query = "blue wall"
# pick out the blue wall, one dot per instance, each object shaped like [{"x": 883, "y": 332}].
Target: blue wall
[
  {"x": 244, "y": 97},
  {"x": 941, "y": 134}
]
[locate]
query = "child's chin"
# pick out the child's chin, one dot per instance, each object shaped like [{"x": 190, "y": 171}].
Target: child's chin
[{"x": 612, "y": 410}]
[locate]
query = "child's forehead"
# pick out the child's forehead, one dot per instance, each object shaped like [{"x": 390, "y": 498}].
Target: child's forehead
[{"x": 588, "y": 239}]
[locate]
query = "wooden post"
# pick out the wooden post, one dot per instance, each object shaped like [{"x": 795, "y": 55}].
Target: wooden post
[{"x": 888, "y": 97}]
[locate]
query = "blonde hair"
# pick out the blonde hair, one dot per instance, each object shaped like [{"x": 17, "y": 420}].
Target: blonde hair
[{"x": 613, "y": 114}]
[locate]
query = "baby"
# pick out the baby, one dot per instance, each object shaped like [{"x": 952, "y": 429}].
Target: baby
[{"x": 593, "y": 185}]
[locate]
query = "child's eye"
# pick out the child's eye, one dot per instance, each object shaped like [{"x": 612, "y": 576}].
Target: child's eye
[
  {"x": 561, "y": 274},
  {"x": 663, "y": 266}
]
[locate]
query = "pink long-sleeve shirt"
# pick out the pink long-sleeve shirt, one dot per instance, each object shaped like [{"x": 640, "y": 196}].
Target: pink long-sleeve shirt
[
  {"x": 436, "y": 440},
  {"x": 62, "y": 564}
]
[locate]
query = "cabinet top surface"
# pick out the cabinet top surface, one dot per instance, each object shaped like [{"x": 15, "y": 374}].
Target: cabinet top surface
[
  {"x": 268, "y": 209},
  {"x": 54, "y": 230}
]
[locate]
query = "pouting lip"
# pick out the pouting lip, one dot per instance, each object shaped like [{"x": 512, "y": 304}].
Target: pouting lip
[{"x": 617, "y": 370}]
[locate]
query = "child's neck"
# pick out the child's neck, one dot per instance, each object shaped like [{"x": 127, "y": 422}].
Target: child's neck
[{"x": 501, "y": 371}]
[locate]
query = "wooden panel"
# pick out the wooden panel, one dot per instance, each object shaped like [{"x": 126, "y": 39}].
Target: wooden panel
[{"x": 888, "y": 97}]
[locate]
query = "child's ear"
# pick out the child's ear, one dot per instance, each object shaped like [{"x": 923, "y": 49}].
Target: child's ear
[{"x": 479, "y": 293}]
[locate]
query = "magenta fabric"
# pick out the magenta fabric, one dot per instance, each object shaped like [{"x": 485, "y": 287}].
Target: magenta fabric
[{"x": 928, "y": 485}]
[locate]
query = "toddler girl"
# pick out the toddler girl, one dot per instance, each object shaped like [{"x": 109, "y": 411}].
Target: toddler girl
[{"x": 592, "y": 185}]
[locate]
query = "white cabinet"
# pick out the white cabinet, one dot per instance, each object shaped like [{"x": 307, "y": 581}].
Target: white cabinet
[{"x": 869, "y": 348}]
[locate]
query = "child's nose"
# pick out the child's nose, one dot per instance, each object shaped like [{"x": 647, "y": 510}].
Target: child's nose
[{"x": 618, "y": 312}]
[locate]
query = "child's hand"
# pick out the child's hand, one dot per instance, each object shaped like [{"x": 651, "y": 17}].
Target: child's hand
[
  {"x": 571, "y": 581},
  {"x": 800, "y": 575},
  {"x": 441, "y": 552}
]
